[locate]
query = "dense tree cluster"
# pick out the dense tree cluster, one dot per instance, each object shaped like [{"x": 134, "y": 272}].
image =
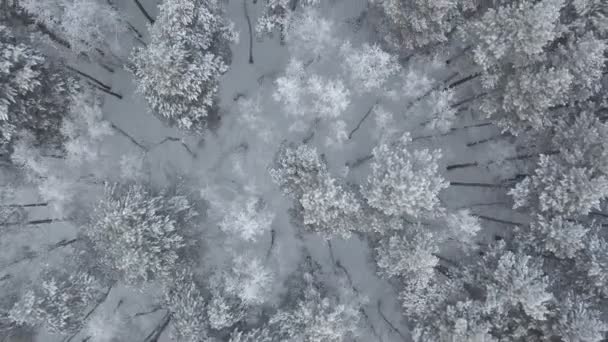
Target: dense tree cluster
[{"x": 357, "y": 139}]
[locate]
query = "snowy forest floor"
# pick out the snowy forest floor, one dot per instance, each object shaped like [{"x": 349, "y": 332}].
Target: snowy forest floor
[{"x": 232, "y": 158}]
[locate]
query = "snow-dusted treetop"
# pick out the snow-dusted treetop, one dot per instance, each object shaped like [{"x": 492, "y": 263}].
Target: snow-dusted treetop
[
  {"x": 138, "y": 234},
  {"x": 178, "y": 71},
  {"x": 34, "y": 94},
  {"x": 404, "y": 182}
]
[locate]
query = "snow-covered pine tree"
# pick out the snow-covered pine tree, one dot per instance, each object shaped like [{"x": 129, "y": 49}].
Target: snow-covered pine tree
[
  {"x": 246, "y": 217},
  {"x": 278, "y": 15},
  {"x": 58, "y": 302},
  {"x": 178, "y": 71},
  {"x": 35, "y": 94},
  {"x": 559, "y": 189},
  {"x": 84, "y": 129},
  {"x": 578, "y": 321},
  {"x": 321, "y": 204},
  {"x": 404, "y": 182},
  {"x": 504, "y": 294},
  {"x": 415, "y": 24},
  {"x": 319, "y": 317},
  {"x": 574, "y": 181},
  {"x": 369, "y": 66},
  {"x": 139, "y": 234},
  {"x": 90, "y": 27},
  {"x": 187, "y": 307},
  {"x": 535, "y": 59}
]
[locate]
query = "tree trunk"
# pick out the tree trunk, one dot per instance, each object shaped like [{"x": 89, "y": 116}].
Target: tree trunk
[
  {"x": 461, "y": 166},
  {"x": 89, "y": 77},
  {"x": 478, "y": 185},
  {"x": 369, "y": 111},
  {"x": 464, "y": 80},
  {"x": 493, "y": 219},
  {"x": 128, "y": 136},
  {"x": 250, "y": 31},
  {"x": 28, "y": 205},
  {"x": 144, "y": 12}
]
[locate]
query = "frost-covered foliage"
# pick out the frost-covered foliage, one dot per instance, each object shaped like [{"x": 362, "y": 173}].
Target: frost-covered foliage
[
  {"x": 278, "y": 15},
  {"x": 411, "y": 256},
  {"x": 319, "y": 318},
  {"x": 187, "y": 308},
  {"x": 321, "y": 203},
  {"x": 249, "y": 280},
  {"x": 34, "y": 94},
  {"x": 306, "y": 97},
  {"x": 59, "y": 301},
  {"x": 179, "y": 70},
  {"x": 404, "y": 182},
  {"x": 536, "y": 64},
  {"x": 577, "y": 322},
  {"x": 64, "y": 172},
  {"x": 369, "y": 66},
  {"x": 247, "y": 217},
  {"x": 138, "y": 233},
  {"x": 463, "y": 227},
  {"x": 411, "y": 24},
  {"x": 84, "y": 129},
  {"x": 555, "y": 188},
  {"x": 88, "y": 26},
  {"x": 597, "y": 270},
  {"x": 560, "y": 236},
  {"x": 256, "y": 335},
  {"x": 515, "y": 301}
]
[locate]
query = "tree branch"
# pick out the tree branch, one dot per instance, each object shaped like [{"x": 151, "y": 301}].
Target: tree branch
[
  {"x": 389, "y": 323},
  {"x": 369, "y": 111},
  {"x": 144, "y": 12},
  {"x": 479, "y": 185},
  {"x": 155, "y": 334},
  {"x": 250, "y": 31}
]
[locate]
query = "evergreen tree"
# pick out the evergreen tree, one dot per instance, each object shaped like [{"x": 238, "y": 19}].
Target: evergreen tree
[
  {"x": 179, "y": 70},
  {"x": 321, "y": 204},
  {"x": 139, "y": 234},
  {"x": 404, "y": 182},
  {"x": 59, "y": 302},
  {"x": 35, "y": 95}
]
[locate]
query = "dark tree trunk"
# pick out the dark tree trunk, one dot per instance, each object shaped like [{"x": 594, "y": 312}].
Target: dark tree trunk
[
  {"x": 89, "y": 77},
  {"x": 250, "y": 31},
  {"x": 144, "y": 12}
]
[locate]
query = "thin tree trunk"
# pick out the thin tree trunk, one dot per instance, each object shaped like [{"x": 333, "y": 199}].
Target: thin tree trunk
[
  {"x": 464, "y": 80},
  {"x": 369, "y": 111},
  {"x": 391, "y": 325},
  {"x": 155, "y": 334},
  {"x": 461, "y": 166},
  {"x": 28, "y": 205},
  {"x": 32, "y": 222},
  {"x": 272, "y": 241},
  {"x": 360, "y": 161},
  {"x": 89, "y": 77},
  {"x": 458, "y": 55},
  {"x": 109, "y": 92},
  {"x": 186, "y": 147},
  {"x": 134, "y": 30},
  {"x": 436, "y": 87},
  {"x": 144, "y": 12},
  {"x": 493, "y": 219},
  {"x": 128, "y": 136},
  {"x": 250, "y": 31},
  {"x": 483, "y": 141},
  {"x": 99, "y": 302},
  {"x": 478, "y": 185},
  {"x": 469, "y": 99},
  {"x": 155, "y": 309}
]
